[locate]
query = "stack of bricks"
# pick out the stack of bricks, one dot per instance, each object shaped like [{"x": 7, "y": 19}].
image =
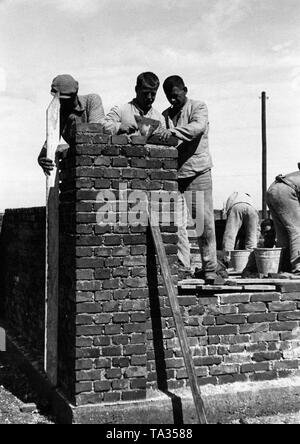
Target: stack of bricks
[{"x": 109, "y": 276}]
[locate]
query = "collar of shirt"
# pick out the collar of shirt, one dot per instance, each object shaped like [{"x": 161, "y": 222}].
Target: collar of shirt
[
  {"x": 174, "y": 119},
  {"x": 79, "y": 108},
  {"x": 142, "y": 113}
]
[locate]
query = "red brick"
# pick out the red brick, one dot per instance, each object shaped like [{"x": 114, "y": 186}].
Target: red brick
[
  {"x": 224, "y": 369},
  {"x": 134, "y": 395},
  {"x": 282, "y": 326},
  {"x": 264, "y": 376},
  {"x": 112, "y": 329},
  {"x": 230, "y": 319},
  {"x": 84, "y": 364},
  {"x": 88, "y": 375},
  {"x": 266, "y": 356},
  {"x": 120, "y": 339},
  {"x": 113, "y": 373},
  {"x": 253, "y": 307},
  {"x": 89, "y": 307},
  {"x": 112, "y": 351},
  {"x": 265, "y": 297},
  {"x": 134, "y": 349},
  {"x": 101, "y": 341},
  {"x": 102, "y": 363},
  {"x": 264, "y": 317},
  {"x": 234, "y": 298},
  {"x": 289, "y": 316},
  {"x": 282, "y": 306},
  {"x": 227, "y": 330},
  {"x": 112, "y": 397},
  {"x": 89, "y": 330},
  {"x": 102, "y": 386},
  {"x": 207, "y": 360}
]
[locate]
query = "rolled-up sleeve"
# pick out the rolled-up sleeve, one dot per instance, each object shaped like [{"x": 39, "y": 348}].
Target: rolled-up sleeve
[
  {"x": 95, "y": 109},
  {"x": 112, "y": 120},
  {"x": 197, "y": 125}
]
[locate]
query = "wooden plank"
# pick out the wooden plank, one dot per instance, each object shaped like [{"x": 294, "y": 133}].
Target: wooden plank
[
  {"x": 263, "y": 281},
  {"x": 181, "y": 332},
  {"x": 2, "y": 340},
  {"x": 52, "y": 245},
  {"x": 219, "y": 288},
  {"x": 191, "y": 282},
  {"x": 256, "y": 287}
]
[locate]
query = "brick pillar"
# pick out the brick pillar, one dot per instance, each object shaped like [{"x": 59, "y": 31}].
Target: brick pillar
[{"x": 110, "y": 283}]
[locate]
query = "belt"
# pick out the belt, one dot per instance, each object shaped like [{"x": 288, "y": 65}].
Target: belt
[{"x": 281, "y": 178}]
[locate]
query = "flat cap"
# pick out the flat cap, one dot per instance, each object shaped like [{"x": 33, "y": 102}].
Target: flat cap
[{"x": 65, "y": 85}]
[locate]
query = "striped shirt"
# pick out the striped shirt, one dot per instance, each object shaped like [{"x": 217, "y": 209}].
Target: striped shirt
[{"x": 88, "y": 110}]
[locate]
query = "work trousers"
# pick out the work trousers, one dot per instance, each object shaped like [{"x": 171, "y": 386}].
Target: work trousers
[
  {"x": 195, "y": 202},
  {"x": 284, "y": 206},
  {"x": 241, "y": 214}
]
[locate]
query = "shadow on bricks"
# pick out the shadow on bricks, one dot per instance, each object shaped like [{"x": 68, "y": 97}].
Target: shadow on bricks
[{"x": 155, "y": 313}]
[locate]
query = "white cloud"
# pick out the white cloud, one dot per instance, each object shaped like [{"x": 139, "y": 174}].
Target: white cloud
[
  {"x": 2, "y": 80},
  {"x": 86, "y": 7},
  {"x": 282, "y": 46}
]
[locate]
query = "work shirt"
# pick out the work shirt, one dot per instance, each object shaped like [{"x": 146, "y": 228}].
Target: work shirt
[
  {"x": 88, "y": 110},
  {"x": 191, "y": 129},
  {"x": 125, "y": 114},
  {"x": 292, "y": 179},
  {"x": 238, "y": 197}
]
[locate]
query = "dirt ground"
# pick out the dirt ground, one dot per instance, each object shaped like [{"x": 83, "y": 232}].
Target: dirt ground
[{"x": 19, "y": 404}]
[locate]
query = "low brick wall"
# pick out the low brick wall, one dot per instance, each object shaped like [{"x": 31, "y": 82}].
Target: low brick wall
[
  {"x": 240, "y": 336},
  {"x": 22, "y": 271}
]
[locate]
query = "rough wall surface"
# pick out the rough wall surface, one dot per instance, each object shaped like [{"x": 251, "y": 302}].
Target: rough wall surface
[
  {"x": 22, "y": 251},
  {"x": 107, "y": 269}
]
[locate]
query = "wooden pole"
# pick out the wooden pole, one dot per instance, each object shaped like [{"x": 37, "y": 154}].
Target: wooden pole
[
  {"x": 52, "y": 244},
  {"x": 181, "y": 332},
  {"x": 264, "y": 155}
]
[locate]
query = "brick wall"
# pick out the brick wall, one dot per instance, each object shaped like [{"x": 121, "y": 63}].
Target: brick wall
[
  {"x": 110, "y": 280},
  {"x": 238, "y": 336},
  {"x": 22, "y": 254},
  {"x": 117, "y": 339}
]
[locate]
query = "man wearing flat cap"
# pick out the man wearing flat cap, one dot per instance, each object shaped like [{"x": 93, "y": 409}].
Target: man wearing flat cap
[{"x": 84, "y": 109}]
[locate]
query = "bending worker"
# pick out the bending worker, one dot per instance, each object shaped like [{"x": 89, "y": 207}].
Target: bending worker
[
  {"x": 83, "y": 109},
  {"x": 240, "y": 212},
  {"x": 283, "y": 202}
]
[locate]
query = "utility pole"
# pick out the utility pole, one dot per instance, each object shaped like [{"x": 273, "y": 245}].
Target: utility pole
[{"x": 264, "y": 154}]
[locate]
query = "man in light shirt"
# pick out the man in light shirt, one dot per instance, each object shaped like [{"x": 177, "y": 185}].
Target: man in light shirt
[
  {"x": 240, "y": 212},
  {"x": 122, "y": 120},
  {"x": 188, "y": 120}
]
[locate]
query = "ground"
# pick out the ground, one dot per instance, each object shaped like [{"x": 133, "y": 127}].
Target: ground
[{"x": 19, "y": 404}]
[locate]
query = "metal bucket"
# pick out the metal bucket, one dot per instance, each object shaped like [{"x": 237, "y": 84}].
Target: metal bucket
[
  {"x": 239, "y": 259},
  {"x": 267, "y": 260}
]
